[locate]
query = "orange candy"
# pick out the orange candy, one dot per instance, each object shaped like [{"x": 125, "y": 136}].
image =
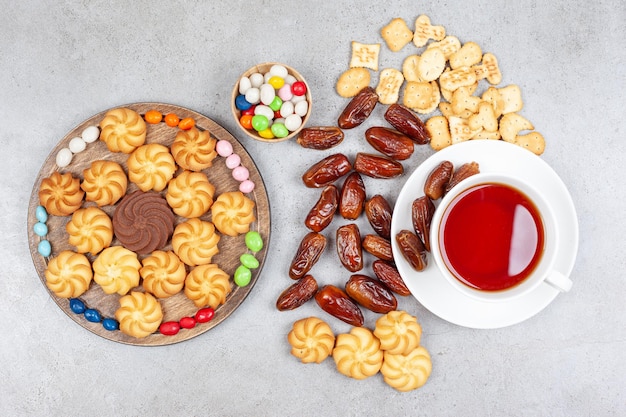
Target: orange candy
[
  {"x": 153, "y": 117},
  {"x": 171, "y": 120},
  {"x": 246, "y": 121},
  {"x": 187, "y": 123}
]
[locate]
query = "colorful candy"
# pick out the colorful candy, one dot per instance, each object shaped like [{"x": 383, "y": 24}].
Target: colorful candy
[
  {"x": 254, "y": 242},
  {"x": 243, "y": 276},
  {"x": 273, "y": 95}
]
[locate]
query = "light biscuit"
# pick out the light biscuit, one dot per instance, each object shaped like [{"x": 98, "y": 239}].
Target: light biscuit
[
  {"x": 469, "y": 54},
  {"x": 492, "y": 96},
  {"x": 439, "y": 131},
  {"x": 488, "y": 69},
  {"x": 431, "y": 64},
  {"x": 409, "y": 68},
  {"x": 365, "y": 55},
  {"x": 424, "y": 31},
  {"x": 352, "y": 81},
  {"x": 532, "y": 141},
  {"x": 512, "y": 97},
  {"x": 422, "y": 97},
  {"x": 389, "y": 83},
  {"x": 460, "y": 130},
  {"x": 448, "y": 45},
  {"x": 396, "y": 34},
  {"x": 462, "y": 99},
  {"x": 511, "y": 124},
  {"x": 485, "y": 118},
  {"x": 460, "y": 77}
]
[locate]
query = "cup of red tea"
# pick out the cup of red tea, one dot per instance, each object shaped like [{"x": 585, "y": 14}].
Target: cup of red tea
[{"x": 494, "y": 237}]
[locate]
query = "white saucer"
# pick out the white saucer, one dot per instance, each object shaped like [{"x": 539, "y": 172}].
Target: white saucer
[{"x": 431, "y": 289}]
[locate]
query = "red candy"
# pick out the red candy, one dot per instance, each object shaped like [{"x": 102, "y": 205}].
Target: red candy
[
  {"x": 249, "y": 111},
  {"x": 169, "y": 328},
  {"x": 205, "y": 314},
  {"x": 187, "y": 322},
  {"x": 298, "y": 88}
]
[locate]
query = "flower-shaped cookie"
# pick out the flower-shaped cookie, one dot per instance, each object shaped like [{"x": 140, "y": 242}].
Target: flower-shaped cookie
[
  {"x": 151, "y": 167},
  {"x": 311, "y": 340},
  {"x": 61, "y": 194},
  {"x": 407, "y": 372},
  {"x": 104, "y": 182},
  {"x": 116, "y": 269},
  {"x": 195, "y": 242},
  {"x": 357, "y": 354},
  {"x": 139, "y": 314},
  {"x": 194, "y": 149},
  {"x": 68, "y": 274},
  {"x": 123, "y": 130},
  {"x": 190, "y": 194},
  {"x": 163, "y": 274},
  {"x": 398, "y": 332},
  {"x": 207, "y": 285},
  {"x": 232, "y": 212},
  {"x": 90, "y": 230}
]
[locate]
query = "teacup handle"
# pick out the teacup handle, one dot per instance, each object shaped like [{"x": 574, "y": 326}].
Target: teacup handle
[{"x": 559, "y": 281}]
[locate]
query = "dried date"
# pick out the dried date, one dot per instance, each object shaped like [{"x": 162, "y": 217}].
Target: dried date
[
  {"x": 307, "y": 255},
  {"x": 461, "y": 173},
  {"x": 379, "y": 212},
  {"x": 438, "y": 179},
  {"x": 297, "y": 294},
  {"x": 327, "y": 171},
  {"x": 378, "y": 246},
  {"x": 320, "y": 137},
  {"x": 412, "y": 249},
  {"x": 422, "y": 211},
  {"x": 358, "y": 109},
  {"x": 352, "y": 197},
  {"x": 390, "y": 142},
  {"x": 389, "y": 275},
  {"x": 349, "y": 247},
  {"x": 371, "y": 294},
  {"x": 407, "y": 122},
  {"x": 377, "y": 166},
  {"x": 322, "y": 213},
  {"x": 336, "y": 302}
]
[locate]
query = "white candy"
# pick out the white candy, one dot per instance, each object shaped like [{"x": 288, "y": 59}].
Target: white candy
[
  {"x": 279, "y": 120},
  {"x": 297, "y": 99},
  {"x": 293, "y": 122},
  {"x": 253, "y": 95},
  {"x": 90, "y": 134},
  {"x": 286, "y": 109},
  {"x": 64, "y": 157},
  {"x": 267, "y": 94},
  {"x": 77, "y": 145},
  {"x": 279, "y": 71},
  {"x": 264, "y": 111},
  {"x": 256, "y": 79},
  {"x": 301, "y": 108},
  {"x": 266, "y": 77},
  {"x": 290, "y": 79},
  {"x": 244, "y": 85}
]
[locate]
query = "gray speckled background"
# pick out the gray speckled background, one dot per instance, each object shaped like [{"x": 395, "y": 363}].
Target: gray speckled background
[{"x": 62, "y": 63}]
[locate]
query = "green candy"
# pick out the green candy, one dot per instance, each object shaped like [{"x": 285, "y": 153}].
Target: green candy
[
  {"x": 249, "y": 261},
  {"x": 260, "y": 122},
  {"x": 276, "y": 104},
  {"x": 254, "y": 242},
  {"x": 279, "y": 130},
  {"x": 243, "y": 275}
]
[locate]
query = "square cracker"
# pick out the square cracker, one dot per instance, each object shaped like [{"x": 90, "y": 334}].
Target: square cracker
[
  {"x": 365, "y": 55},
  {"x": 396, "y": 34}
]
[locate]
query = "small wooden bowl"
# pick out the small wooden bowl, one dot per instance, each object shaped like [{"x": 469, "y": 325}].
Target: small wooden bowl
[{"x": 263, "y": 68}]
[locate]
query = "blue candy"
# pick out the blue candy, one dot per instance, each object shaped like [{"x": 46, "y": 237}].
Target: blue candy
[
  {"x": 241, "y": 103},
  {"x": 41, "y": 214},
  {"x": 93, "y": 315},
  {"x": 40, "y": 229},
  {"x": 77, "y": 306},
  {"x": 44, "y": 248},
  {"x": 110, "y": 324}
]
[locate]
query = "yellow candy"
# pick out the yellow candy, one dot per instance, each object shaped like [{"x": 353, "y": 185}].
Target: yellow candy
[{"x": 266, "y": 134}]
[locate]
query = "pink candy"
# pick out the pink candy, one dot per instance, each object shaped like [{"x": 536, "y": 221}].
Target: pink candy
[{"x": 233, "y": 161}]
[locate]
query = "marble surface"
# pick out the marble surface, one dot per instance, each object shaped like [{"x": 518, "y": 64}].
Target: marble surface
[{"x": 62, "y": 63}]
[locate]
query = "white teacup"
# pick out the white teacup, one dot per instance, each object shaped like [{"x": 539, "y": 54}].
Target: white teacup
[{"x": 494, "y": 238}]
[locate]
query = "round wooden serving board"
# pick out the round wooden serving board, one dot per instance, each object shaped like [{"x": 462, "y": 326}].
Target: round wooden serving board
[{"x": 231, "y": 248}]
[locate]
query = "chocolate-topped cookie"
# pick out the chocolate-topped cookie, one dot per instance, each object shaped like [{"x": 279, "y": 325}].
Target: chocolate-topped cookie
[{"x": 143, "y": 222}]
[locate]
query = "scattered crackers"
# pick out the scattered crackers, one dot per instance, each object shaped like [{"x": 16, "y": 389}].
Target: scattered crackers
[{"x": 444, "y": 77}]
